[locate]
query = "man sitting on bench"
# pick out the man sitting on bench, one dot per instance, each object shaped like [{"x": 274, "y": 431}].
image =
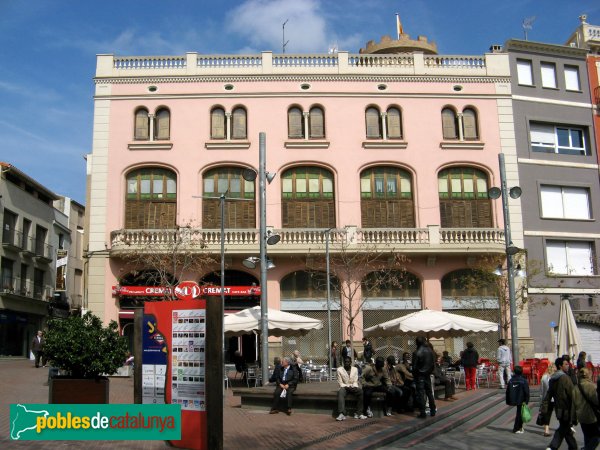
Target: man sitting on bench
[
  {"x": 347, "y": 377},
  {"x": 286, "y": 381}
]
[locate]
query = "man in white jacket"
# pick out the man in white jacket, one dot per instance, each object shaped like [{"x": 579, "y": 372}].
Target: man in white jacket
[
  {"x": 504, "y": 357},
  {"x": 348, "y": 380}
]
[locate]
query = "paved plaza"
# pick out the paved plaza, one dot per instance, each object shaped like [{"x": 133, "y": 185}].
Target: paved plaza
[{"x": 252, "y": 429}]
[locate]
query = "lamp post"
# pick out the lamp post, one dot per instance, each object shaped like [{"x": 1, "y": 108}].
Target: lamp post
[
  {"x": 510, "y": 249},
  {"x": 327, "y": 235}
]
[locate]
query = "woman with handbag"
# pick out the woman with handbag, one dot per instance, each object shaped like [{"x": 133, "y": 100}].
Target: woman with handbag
[
  {"x": 587, "y": 410},
  {"x": 547, "y": 406}
]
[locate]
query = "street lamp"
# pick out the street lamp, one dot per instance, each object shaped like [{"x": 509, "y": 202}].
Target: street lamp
[
  {"x": 327, "y": 235},
  {"x": 510, "y": 250},
  {"x": 269, "y": 238}
]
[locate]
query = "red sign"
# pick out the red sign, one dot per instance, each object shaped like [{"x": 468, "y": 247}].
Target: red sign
[{"x": 187, "y": 290}]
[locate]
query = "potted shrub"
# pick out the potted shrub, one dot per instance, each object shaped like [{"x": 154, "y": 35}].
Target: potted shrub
[{"x": 85, "y": 350}]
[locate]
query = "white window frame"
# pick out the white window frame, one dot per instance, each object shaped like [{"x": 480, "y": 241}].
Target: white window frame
[
  {"x": 565, "y": 202},
  {"x": 525, "y": 72},
  {"x": 572, "y": 81},
  {"x": 548, "y": 71},
  {"x": 571, "y": 258},
  {"x": 544, "y": 138}
]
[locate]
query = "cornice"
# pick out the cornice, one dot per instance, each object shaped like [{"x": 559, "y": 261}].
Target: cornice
[
  {"x": 305, "y": 78},
  {"x": 541, "y": 47}
]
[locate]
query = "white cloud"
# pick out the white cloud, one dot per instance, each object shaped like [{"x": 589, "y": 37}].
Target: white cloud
[{"x": 260, "y": 23}]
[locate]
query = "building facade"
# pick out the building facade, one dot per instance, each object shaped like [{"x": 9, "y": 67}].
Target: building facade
[
  {"x": 385, "y": 154},
  {"x": 28, "y": 260},
  {"x": 558, "y": 172}
]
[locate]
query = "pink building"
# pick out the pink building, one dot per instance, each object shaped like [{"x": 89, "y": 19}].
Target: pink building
[{"x": 393, "y": 152}]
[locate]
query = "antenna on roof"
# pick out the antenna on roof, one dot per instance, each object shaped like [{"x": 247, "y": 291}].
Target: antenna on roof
[
  {"x": 399, "y": 29},
  {"x": 528, "y": 24},
  {"x": 283, "y": 41}
]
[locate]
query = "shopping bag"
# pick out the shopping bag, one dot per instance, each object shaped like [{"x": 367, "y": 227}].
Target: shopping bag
[
  {"x": 541, "y": 420},
  {"x": 525, "y": 413},
  {"x": 283, "y": 393}
]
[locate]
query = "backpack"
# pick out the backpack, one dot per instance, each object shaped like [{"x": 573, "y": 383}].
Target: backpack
[{"x": 514, "y": 392}]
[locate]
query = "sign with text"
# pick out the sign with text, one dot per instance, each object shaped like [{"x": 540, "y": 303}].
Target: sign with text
[{"x": 186, "y": 291}]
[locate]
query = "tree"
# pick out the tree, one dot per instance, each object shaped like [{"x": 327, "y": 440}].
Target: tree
[
  {"x": 485, "y": 283},
  {"x": 165, "y": 257},
  {"x": 350, "y": 263}
]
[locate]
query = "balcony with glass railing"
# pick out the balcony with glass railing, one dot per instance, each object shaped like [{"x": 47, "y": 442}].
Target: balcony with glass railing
[
  {"x": 12, "y": 238},
  {"x": 431, "y": 239},
  {"x": 23, "y": 287}
]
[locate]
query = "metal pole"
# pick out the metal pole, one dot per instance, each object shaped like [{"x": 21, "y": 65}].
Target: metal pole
[
  {"x": 222, "y": 205},
  {"x": 327, "y": 233},
  {"x": 514, "y": 333},
  {"x": 264, "y": 310}
]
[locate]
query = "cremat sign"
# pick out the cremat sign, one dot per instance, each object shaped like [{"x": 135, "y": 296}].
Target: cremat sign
[{"x": 187, "y": 291}]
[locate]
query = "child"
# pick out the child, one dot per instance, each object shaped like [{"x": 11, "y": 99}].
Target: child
[{"x": 517, "y": 393}]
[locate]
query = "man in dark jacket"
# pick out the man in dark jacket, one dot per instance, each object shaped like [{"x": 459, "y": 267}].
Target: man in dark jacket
[
  {"x": 422, "y": 368},
  {"x": 286, "y": 380},
  {"x": 469, "y": 360},
  {"x": 517, "y": 393},
  {"x": 561, "y": 389},
  {"x": 367, "y": 351}
]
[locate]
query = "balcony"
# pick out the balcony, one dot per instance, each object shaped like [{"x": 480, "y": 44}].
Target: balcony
[
  {"x": 43, "y": 252},
  {"x": 12, "y": 239},
  {"x": 23, "y": 287},
  {"x": 431, "y": 240}
]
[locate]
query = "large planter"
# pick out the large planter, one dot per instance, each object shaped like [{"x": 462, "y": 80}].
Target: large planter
[{"x": 78, "y": 390}]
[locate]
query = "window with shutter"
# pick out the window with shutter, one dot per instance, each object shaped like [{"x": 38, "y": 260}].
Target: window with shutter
[
  {"x": 307, "y": 198},
  {"x": 295, "y": 123},
  {"x": 449, "y": 124},
  {"x": 240, "y": 206},
  {"x": 394, "y": 123},
  {"x": 317, "y": 123},
  {"x": 162, "y": 125},
  {"x": 373, "y": 122},
  {"x": 524, "y": 72},
  {"x": 572, "y": 78},
  {"x": 386, "y": 198},
  {"x": 151, "y": 199},
  {"x": 470, "y": 124},
  {"x": 217, "y": 124},
  {"x": 239, "y": 123},
  {"x": 464, "y": 201},
  {"x": 548, "y": 75},
  {"x": 142, "y": 125}
]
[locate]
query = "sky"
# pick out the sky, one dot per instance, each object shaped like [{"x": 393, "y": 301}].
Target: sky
[{"x": 48, "y": 52}]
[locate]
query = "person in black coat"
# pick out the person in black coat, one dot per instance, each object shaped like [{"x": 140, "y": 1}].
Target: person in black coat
[
  {"x": 286, "y": 379},
  {"x": 517, "y": 393}
]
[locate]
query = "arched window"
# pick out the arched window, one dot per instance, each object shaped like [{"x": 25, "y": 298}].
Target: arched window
[
  {"x": 238, "y": 126},
  {"x": 395, "y": 284},
  {"x": 142, "y": 125},
  {"x": 217, "y": 123},
  {"x": 449, "y": 124},
  {"x": 373, "y": 121},
  {"x": 162, "y": 125},
  {"x": 295, "y": 123},
  {"x": 307, "y": 198},
  {"x": 316, "y": 122},
  {"x": 470, "y": 124},
  {"x": 306, "y": 285},
  {"x": 386, "y": 198},
  {"x": 394, "y": 123},
  {"x": 469, "y": 283},
  {"x": 151, "y": 199},
  {"x": 238, "y": 213},
  {"x": 464, "y": 201}
]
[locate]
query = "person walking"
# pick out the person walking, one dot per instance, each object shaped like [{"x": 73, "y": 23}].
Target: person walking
[
  {"x": 347, "y": 377},
  {"x": 517, "y": 394},
  {"x": 469, "y": 361},
  {"x": 561, "y": 390},
  {"x": 547, "y": 399},
  {"x": 586, "y": 406},
  {"x": 37, "y": 347},
  {"x": 422, "y": 368},
  {"x": 504, "y": 357}
]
